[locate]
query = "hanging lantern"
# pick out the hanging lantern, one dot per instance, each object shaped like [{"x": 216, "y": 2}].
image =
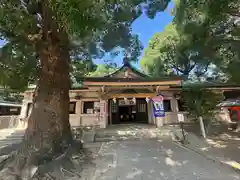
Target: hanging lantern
[
  {"x": 114, "y": 100},
  {"x": 147, "y": 99},
  {"x": 134, "y": 100},
  {"x": 77, "y": 97},
  {"x": 125, "y": 99}
]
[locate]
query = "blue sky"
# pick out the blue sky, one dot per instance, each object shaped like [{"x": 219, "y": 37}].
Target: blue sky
[{"x": 145, "y": 28}]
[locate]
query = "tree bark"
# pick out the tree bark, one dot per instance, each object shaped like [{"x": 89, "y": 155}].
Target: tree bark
[
  {"x": 48, "y": 133},
  {"x": 48, "y": 124}
]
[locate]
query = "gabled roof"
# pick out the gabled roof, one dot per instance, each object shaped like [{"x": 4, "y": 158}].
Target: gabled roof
[
  {"x": 113, "y": 79},
  {"x": 127, "y": 73},
  {"x": 127, "y": 67}
]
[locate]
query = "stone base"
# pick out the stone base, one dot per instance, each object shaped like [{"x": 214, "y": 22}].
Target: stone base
[
  {"x": 88, "y": 136},
  {"x": 159, "y": 121}
]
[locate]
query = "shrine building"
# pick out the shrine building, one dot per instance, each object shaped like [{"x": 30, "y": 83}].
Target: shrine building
[{"x": 121, "y": 97}]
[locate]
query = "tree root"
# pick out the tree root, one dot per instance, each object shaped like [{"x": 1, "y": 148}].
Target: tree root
[{"x": 30, "y": 164}]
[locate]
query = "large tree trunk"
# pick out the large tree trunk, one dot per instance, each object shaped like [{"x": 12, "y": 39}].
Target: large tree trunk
[
  {"x": 48, "y": 124},
  {"x": 48, "y": 133}
]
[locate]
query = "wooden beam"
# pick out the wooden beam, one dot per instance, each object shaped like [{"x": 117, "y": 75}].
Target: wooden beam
[
  {"x": 129, "y": 87},
  {"x": 163, "y": 88},
  {"x": 137, "y": 95},
  {"x": 132, "y": 83}
]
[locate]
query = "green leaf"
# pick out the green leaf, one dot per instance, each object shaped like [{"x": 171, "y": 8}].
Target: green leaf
[{"x": 92, "y": 27}]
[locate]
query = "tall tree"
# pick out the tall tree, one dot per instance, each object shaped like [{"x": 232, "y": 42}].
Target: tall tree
[
  {"x": 171, "y": 52},
  {"x": 49, "y": 28},
  {"x": 214, "y": 27},
  {"x": 201, "y": 103}
]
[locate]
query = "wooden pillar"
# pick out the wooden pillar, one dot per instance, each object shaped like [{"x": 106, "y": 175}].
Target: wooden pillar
[
  {"x": 103, "y": 114},
  {"x": 149, "y": 113},
  {"x": 174, "y": 104},
  {"x": 151, "y": 118}
]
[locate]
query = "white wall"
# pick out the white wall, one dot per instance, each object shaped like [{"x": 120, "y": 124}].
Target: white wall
[
  {"x": 81, "y": 119},
  {"x": 77, "y": 119}
]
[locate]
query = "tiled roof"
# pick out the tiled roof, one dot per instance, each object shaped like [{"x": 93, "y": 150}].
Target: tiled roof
[
  {"x": 112, "y": 79},
  {"x": 126, "y": 66}
]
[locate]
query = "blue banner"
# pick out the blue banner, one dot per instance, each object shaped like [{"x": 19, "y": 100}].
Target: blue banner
[{"x": 158, "y": 109}]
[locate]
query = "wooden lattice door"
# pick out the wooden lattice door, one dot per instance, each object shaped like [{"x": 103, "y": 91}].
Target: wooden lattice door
[{"x": 142, "y": 112}]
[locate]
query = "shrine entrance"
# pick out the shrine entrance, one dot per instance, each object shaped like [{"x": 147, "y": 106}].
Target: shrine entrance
[{"x": 128, "y": 111}]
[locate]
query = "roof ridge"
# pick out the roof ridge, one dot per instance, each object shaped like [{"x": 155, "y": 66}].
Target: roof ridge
[{"x": 127, "y": 65}]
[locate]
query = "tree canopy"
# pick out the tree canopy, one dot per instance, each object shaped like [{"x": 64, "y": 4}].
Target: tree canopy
[
  {"x": 171, "y": 52},
  {"x": 168, "y": 52},
  {"x": 93, "y": 28},
  {"x": 215, "y": 29},
  {"x": 202, "y": 40}
]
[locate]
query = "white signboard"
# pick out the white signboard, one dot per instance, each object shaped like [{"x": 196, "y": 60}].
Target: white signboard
[
  {"x": 96, "y": 104},
  {"x": 122, "y": 102},
  {"x": 180, "y": 117},
  {"x": 89, "y": 111}
]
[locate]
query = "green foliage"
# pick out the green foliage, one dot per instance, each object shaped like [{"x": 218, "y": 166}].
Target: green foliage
[
  {"x": 200, "y": 101},
  {"x": 18, "y": 66},
  {"x": 10, "y": 95},
  {"x": 81, "y": 68},
  {"x": 93, "y": 28},
  {"x": 171, "y": 52},
  {"x": 215, "y": 29},
  {"x": 204, "y": 34},
  {"x": 103, "y": 69}
]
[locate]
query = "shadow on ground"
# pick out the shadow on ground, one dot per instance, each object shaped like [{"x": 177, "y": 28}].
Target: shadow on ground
[
  {"x": 221, "y": 142},
  {"x": 75, "y": 163}
]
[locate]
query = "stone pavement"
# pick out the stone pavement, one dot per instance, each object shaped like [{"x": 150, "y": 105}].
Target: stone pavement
[
  {"x": 221, "y": 145},
  {"x": 156, "y": 160},
  {"x": 149, "y": 156}
]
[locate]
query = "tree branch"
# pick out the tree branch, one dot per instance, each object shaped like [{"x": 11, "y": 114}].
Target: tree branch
[{"x": 200, "y": 73}]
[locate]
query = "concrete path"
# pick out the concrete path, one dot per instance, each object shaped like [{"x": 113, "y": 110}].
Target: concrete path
[{"x": 156, "y": 160}]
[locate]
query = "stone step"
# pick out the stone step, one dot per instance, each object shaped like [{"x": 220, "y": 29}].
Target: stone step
[
  {"x": 106, "y": 137},
  {"x": 110, "y": 134},
  {"x": 7, "y": 143},
  {"x": 11, "y": 132},
  {"x": 119, "y": 138},
  {"x": 12, "y": 139},
  {"x": 18, "y": 133}
]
